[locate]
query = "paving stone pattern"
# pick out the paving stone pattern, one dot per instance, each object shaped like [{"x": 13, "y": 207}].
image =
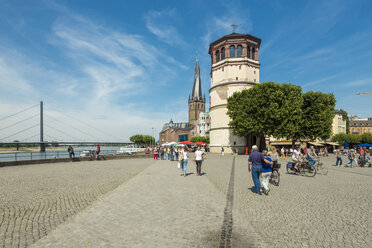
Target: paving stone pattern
[
  {"x": 146, "y": 203},
  {"x": 324, "y": 211},
  {"x": 35, "y": 199}
]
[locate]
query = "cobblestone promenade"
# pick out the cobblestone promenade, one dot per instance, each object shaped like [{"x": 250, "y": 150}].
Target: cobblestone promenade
[{"x": 146, "y": 203}]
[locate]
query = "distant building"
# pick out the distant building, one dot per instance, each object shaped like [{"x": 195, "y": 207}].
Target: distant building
[
  {"x": 175, "y": 132},
  {"x": 339, "y": 123},
  {"x": 203, "y": 125},
  {"x": 360, "y": 126}
]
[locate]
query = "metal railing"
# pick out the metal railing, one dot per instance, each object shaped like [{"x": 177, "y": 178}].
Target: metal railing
[{"x": 33, "y": 155}]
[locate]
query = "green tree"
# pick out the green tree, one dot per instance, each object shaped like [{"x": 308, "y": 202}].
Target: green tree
[
  {"x": 137, "y": 138},
  {"x": 266, "y": 109},
  {"x": 345, "y": 118},
  {"x": 148, "y": 139},
  {"x": 317, "y": 115},
  {"x": 200, "y": 139}
]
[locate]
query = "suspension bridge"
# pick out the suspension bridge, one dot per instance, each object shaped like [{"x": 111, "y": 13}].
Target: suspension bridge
[{"x": 35, "y": 124}]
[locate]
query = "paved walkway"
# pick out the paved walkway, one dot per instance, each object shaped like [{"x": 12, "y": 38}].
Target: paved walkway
[{"x": 156, "y": 208}]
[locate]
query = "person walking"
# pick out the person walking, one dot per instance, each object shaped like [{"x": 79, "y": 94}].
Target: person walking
[
  {"x": 282, "y": 152},
  {"x": 266, "y": 172},
  {"x": 222, "y": 151},
  {"x": 98, "y": 151},
  {"x": 255, "y": 160},
  {"x": 177, "y": 153},
  {"x": 185, "y": 156},
  {"x": 168, "y": 153},
  {"x": 156, "y": 152},
  {"x": 71, "y": 152},
  {"x": 162, "y": 153},
  {"x": 325, "y": 154},
  {"x": 350, "y": 156},
  {"x": 338, "y": 157},
  {"x": 198, "y": 157},
  {"x": 172, "y": 153},
  {"x": 274, "y": 155}
]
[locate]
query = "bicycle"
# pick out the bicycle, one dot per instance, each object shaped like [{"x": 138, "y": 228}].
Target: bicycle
[
  {"x": 275, "y": 175},
  {"x": 320, "y": 168},
  {"x": 304, "y": 167}
]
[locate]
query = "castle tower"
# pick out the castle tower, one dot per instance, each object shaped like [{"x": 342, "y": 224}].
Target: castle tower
[
  {"x": 235, "y": 67},
  {"x": 196, "y": 102}
]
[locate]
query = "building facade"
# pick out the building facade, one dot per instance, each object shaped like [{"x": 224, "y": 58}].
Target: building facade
[
  {"x": 339, "y": 123},
  {"x": 360, "y": 126},
  {"x": 203, "y": 125},
  {"x": 235, "y": 67}
]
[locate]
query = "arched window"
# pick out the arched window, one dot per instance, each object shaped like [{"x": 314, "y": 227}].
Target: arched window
[
  {"x": 249, "y": 52},
  {"x": 222, "y": 53},
  {"x": 253, "y": 53},
  {"x": 217, "y": 56},
  {"x": 239, "y": 51},
  {"x": 232, "y": 51}
]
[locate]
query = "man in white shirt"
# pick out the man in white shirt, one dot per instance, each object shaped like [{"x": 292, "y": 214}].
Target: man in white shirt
[{"x": 199, "y": 155}]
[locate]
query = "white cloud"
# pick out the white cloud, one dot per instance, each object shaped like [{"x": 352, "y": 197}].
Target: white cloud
[
  {"x": 102, "y": 70},
  {"x": 157, "y": 22}
]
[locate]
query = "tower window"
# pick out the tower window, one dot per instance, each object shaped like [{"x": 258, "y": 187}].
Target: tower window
[
  {"x": 249, "y": 52},
  {"x": 223, "y": 53},
  {"x": 232, "y": 52},
  {"x": 253, "y": 53},
  {"x": 217, "y": 56},
  {"x": 239, "y": 51}
]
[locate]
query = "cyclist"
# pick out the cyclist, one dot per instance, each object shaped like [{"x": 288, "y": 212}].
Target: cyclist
[
  {"x": 311, "y": 154},
  {"x": 297, "y": 155}
]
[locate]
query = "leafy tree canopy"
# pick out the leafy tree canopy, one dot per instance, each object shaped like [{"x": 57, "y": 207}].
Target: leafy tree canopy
[
  {"x": 142, "y": 139},
  {"x": 268, "y": 108},
  {"x": 352, "y": 139},
  {"x": 200, "y": 139},
  {"x": 281, "y": 110},
  {"x": 317, "y": 115}
]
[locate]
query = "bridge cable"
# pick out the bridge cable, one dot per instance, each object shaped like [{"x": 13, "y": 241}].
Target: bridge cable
[
  {"x": 90, "y": 126},
  {"x": 20, "y": 131},
  {"x": 30, "y": 137},
  {"x": 18, "y": 112},
  {"x": 61, "y": 131},
  {"x": 73, "y": 127},
  {"x": 1, "y": 129}
]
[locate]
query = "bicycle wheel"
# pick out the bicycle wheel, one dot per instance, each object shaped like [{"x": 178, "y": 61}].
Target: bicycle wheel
[
  {"x": 322, "y": 169},
  {"x": 275, "y": 178},
  {"x": 309, "y": 170}
]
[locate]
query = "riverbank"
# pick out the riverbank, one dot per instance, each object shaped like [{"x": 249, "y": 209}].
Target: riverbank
[{"x": 31, "y": 149}]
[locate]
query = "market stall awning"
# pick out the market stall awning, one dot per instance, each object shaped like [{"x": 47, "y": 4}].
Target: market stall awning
[
  {"x": 331, "y": 143},
  {"x": 315, "y": 144},
  {"x": 284, "y": 143}
]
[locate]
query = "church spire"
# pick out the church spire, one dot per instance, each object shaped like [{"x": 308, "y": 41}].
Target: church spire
[{"x": 196, "y": 89}]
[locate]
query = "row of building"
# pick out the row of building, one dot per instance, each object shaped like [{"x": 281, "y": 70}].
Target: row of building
[{"x": 234, "y": 67}]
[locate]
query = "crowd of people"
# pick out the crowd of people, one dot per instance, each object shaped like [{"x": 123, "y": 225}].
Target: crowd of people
[
  {"x": 181, "y": 154},
  {"x": 356, "y": 157}
]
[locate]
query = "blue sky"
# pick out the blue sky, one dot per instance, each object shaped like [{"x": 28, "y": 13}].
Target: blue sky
[{"x": 109, "y": 69}]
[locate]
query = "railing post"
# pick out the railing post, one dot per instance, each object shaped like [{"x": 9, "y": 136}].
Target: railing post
[
  {"x": 31, "y": 155},
  {"x": 57, "y": 154},
  {"x": 15, "y": 156},
  {"x": 45, "y": 155}
]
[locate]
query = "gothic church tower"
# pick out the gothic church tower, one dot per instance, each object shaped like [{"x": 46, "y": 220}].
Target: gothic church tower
[{"x": 196, "y": 102}]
